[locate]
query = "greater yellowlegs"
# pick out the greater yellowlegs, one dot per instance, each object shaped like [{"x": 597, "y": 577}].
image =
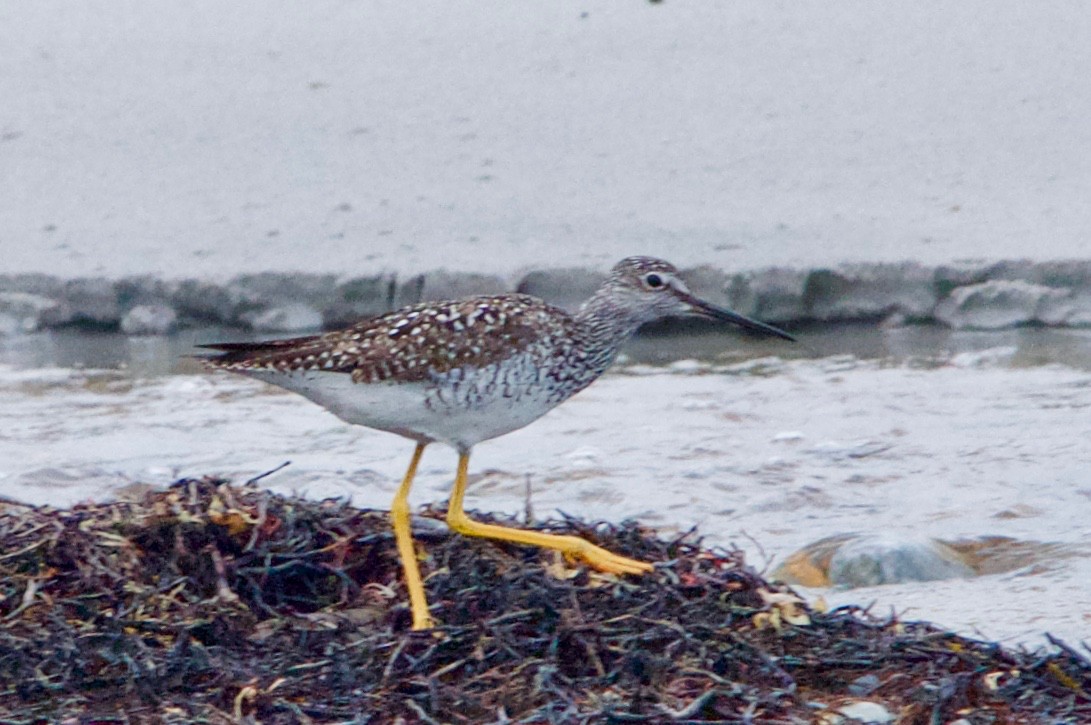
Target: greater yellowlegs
[{"x": 468, "y": 370}]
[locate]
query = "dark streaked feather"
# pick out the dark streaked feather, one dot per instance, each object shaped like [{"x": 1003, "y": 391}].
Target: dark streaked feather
[{"x": 410, "y": 344}]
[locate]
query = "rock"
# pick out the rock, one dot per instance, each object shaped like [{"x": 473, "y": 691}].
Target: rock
[
  {"x": 27, "y": 312},
  {"x": 149, "y": 320},
  {"x": 708, "y": 283},
  {"x": 864, "y": 686},
  {"x": 285, "y": 318},
  {"x": 870, "y": 291},
  {"x": 773, "y": 295},
  {"x": 36, "y": 284},
  {"x": 272, "y": 300},
  {"x": 810, "y": 566},
  {"x": 947, "y": 277},
  {"x": 202, "y": 302},
  {"x": 444, "y": 285},
  {"x": 565, "y": 288},
  {"x": 1073, "y": 310},
  {"x": 874, "y": 560},
  {"x": 144, "y": 290},
  {"x": 863, "y": 711},
  {"x": 996, "y": 304},
  {"x": 1073, "y": 274},
  {"x": 814, "y": 564},
  {"x": 93, "y": 300},
  {"x": 279, "y": 288},
  {"x": 358, "y": 298}
]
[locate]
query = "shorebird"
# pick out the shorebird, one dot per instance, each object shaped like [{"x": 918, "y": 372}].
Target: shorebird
[{"x": 468, "y": 370}]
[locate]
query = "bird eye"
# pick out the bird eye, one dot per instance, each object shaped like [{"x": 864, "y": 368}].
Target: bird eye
[{"x": 653, "y": 280}]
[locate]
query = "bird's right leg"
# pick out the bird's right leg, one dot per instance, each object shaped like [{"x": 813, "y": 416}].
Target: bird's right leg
[{"x": 399, "y": 513}]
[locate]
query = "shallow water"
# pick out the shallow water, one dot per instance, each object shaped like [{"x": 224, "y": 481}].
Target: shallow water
[
  {"x": 1021, "y": 347},
  {"x": 920, "y": 433}
]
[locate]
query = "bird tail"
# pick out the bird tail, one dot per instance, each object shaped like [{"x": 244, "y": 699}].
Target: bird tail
[{"x": 236, "y": 352}]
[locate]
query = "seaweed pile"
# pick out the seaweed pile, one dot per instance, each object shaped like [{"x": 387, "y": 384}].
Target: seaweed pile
[{"x": 210, "y": 602}]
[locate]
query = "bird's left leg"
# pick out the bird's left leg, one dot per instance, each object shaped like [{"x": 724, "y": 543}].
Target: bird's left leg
[{"x": 571, "y": 546}]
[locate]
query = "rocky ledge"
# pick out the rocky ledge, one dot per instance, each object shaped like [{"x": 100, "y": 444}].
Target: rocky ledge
[{"x": 966, "y": 295}]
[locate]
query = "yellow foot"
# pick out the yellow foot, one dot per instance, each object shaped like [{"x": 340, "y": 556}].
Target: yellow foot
[{"x": 575, "y": 548}]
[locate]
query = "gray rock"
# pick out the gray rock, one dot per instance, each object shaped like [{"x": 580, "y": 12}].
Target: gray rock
[
  {"x": 870, "y": 561},
  {"x": 202, "y": 302},
  {"x": 444, "y": 285},
  {"x": 10, "y": 325},
  {"x": 93, "y": 300},
  {"x": 870, "y": 291},
  {"x": 863, "y": 711},
  {"x": 257, "y": 292},
  {"x": 149, "y": 320},
  {"x": 358, "y": 298},
  {"x": 1073, "y": 310},
  {"x": 997, "y": 304},
  {"x": 36, "y": 284},
  {"x": 775, "y": 294},
  {"x": 949, "y": 276},
  {"x": 708, "y": 283},
  {"x": 145, "y": 290},
  {"x": 292, "y": 317},
  {"x": 566, "y": 288},
  {"x": 247, "y": 297},
  {"x": 1073, "y": 274},
  {"x": 27, "y": 312},
  {"x": 864, "y": 685}
]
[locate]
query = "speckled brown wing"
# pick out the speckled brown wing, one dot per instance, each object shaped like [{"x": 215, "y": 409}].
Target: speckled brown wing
[{"x": 411, "y": 344}]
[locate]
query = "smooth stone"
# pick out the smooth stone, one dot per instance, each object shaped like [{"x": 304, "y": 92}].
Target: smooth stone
[
  {"x": 774, "y": 294},
  {"x": 286, "y": 318},
  {"x": 996, "y": 304},
  {"x": 358, "y": 298},
  {"x": 566, "y": 288},
  {"x": 149, "y": 320},
  {"x": 874, "y": 560},
  {"x": 443, "y": 285},
  {"x": 93, "y": 300},
  {"x": 871, "y": 291},
  {"x": 28, "y": 312},
  {"x": 203, "y": 302},
  {"x": 864, "y": 686},
  {"x": 865, "y": 711}
]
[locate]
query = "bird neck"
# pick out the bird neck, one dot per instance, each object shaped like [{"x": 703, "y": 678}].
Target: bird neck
[{"x": 605, "y": 325}]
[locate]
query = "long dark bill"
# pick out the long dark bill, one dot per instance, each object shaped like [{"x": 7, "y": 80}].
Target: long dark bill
[{"x": 707, "y": 309}]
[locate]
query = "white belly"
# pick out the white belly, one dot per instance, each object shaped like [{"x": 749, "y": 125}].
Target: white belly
[{"x": 474, "y": 406}]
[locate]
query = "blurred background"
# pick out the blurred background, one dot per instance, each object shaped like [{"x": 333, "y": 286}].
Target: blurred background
[{"x": 904, "y": 185}]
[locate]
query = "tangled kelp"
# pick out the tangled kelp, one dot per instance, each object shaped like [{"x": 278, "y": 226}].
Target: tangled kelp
[{"x": 209, "y": 602}]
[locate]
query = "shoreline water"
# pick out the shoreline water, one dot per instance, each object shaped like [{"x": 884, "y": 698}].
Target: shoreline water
[{"x": 769, "y": 454}]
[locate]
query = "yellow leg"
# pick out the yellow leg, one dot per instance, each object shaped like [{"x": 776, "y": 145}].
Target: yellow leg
[
  {"x": 399, "y": 513},
  {"x": 571, "y": 546}
]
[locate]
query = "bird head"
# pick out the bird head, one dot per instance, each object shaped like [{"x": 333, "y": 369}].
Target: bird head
[{"x": 652, "y": 289}]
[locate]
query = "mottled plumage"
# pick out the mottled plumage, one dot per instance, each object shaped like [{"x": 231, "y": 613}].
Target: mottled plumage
[
  {"x": 468, "y": 370},
  {"x": 412, "y": 344}
]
